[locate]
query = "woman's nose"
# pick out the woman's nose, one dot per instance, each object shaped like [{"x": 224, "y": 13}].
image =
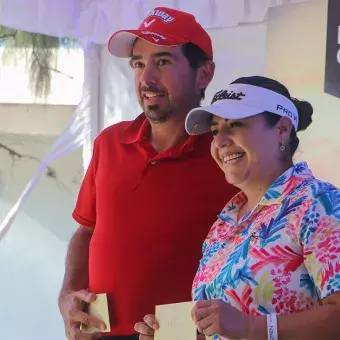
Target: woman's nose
[{"x": 222, "y": 140}]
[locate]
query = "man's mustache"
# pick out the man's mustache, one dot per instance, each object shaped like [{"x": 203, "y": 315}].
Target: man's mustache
[{"x": 150, "y": 89}]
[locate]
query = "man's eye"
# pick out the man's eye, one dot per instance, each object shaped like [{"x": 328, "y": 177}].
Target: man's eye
[
  {"x": 214, "y": 132},
  {"x": 137, "y": 64},
  {"x": 163, "y": 62}
]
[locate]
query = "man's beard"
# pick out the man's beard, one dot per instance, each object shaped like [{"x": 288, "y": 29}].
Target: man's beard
[{"x": 157, "y": 115}]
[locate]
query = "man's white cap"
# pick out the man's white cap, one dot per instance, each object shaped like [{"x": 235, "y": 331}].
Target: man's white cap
[{"x": 240, "y": 101}]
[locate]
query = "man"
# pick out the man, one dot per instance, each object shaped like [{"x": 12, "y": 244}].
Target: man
[{"x": 151, "y": 192}]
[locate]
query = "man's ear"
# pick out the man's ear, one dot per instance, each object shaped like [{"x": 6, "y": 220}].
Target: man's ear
[{"x": 205, "y": 74}]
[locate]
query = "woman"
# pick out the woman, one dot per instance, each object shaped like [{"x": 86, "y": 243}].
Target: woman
[{"x": 271, "y": 262}]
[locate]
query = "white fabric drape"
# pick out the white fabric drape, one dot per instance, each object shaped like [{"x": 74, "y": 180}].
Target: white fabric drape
[
  {"x": 79, "y": 131},
  {"x": 96, "y": 20},
  {"x": 108, "y": 88}
]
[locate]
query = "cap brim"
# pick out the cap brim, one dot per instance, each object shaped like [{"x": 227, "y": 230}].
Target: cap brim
[
  {"x": 198, "y": 120},
  {"x": 120, "y": 44}
]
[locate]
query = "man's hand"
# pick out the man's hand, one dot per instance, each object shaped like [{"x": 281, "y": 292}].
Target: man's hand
[
  {"x": 71, "y": 307},
  {"x": 147, "y": 328}
]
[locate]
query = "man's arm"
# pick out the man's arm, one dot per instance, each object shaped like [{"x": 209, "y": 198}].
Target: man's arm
[
  {"x": 74, "y": 295},
  {"x": 77, "y": 261}
]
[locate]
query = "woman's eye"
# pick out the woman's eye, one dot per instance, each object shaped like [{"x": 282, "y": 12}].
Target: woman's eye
[{"x": 235, "y": 124}]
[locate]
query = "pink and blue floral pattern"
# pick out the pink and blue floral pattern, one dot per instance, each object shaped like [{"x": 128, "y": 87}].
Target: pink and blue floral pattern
[{"x": 283, "y": 256}]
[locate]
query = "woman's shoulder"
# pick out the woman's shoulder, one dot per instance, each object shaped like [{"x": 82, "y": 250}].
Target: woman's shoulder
[
  {"x": 326, "y": 196},
  {"x": 312, "y": 210},
  {"x": 315, "y": 190},
  {"x": 319, "y": 205}
]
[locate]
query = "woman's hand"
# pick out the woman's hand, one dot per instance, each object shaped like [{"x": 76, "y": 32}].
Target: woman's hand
[
  {"x": 218, "y": 317},
  {"x": 147, "y": 328}
]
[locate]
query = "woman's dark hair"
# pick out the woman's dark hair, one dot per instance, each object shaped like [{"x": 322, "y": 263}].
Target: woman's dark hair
[
  {"x": 196, "y": 58},
  {"x": 305, "y": 109}
]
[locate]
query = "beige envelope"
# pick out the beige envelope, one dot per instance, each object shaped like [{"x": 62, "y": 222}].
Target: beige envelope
[
  {"x": 100, "y": 310},
  {"x": 175, "y": 322}
]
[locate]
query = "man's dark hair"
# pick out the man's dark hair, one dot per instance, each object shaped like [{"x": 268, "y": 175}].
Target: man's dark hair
[{"x": 196, "y": 58}]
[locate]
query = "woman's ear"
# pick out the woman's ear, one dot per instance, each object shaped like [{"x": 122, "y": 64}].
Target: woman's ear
[{"x": 284, "y": 127}]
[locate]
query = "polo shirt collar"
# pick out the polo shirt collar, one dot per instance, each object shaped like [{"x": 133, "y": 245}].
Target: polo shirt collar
[
  {"x": 289, "y": 181},
  {"x": 139, "y": 130}
]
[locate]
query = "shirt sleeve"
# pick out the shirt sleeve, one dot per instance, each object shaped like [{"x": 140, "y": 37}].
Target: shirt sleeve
[
  {"x": 320, "y": 237},
  {"x": 84, "y": 212}
]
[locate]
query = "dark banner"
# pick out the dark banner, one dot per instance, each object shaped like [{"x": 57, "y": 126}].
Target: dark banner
[{"x": 332, "y": 76}]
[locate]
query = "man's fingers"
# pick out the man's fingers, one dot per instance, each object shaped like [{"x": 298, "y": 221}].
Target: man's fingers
[
  {"x": 87, "y": 319},
  {"x": 147, "y": 328},
  {"x": 77, "y": 334},
  {"x": 71, "y": 307},
  {"x": 84, "y": 295},
  {"x": 86, "y": 336},
  {"x": 143, "y": 329},
  {"x": 151, "y": 321},
  {"x": 145, "y": 337}
]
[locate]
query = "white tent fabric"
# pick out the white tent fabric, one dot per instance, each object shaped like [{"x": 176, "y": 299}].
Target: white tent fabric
[
  {"x": 108, "y": 98},
  {"x": 77, "y": 133},
  {"x": 108, "y": 86},
  {"x": 95, "y": 20}
]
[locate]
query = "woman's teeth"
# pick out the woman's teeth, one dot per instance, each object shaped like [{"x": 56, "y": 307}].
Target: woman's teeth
[{"x": 233, "y": 158}]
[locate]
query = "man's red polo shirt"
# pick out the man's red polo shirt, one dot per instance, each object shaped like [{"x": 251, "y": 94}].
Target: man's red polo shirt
[{"x": 150, "y": 213}]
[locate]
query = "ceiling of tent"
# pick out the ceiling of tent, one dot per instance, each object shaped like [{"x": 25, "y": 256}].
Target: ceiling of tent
[{"x": 95, "y": 20}]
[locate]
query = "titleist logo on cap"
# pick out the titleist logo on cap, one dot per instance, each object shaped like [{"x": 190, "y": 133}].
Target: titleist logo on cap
[
  {"x": 166, "y": 18},
  {"x": 225, "y": 94}
]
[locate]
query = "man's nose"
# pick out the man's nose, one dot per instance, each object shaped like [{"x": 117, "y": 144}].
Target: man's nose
[{"x": 149, "y": 75}]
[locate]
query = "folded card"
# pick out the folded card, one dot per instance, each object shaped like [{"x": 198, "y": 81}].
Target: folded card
[
  {"x": 100, "y": 310},
  {"x": 175, "y": 322}
]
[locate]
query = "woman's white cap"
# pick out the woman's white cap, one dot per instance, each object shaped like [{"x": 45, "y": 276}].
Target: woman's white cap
[{"x": 240, "y": 101}]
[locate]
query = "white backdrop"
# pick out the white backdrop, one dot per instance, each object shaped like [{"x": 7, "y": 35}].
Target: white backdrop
[
  {"x": 107, "y": 84},
  {"x": 95, "y": 20},
  {"x": 108, "y": 98},
  {"x": 31, "y": 274}
]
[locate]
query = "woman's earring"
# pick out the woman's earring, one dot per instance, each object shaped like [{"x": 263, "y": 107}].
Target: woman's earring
[{"x": 282, "y": 147}]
